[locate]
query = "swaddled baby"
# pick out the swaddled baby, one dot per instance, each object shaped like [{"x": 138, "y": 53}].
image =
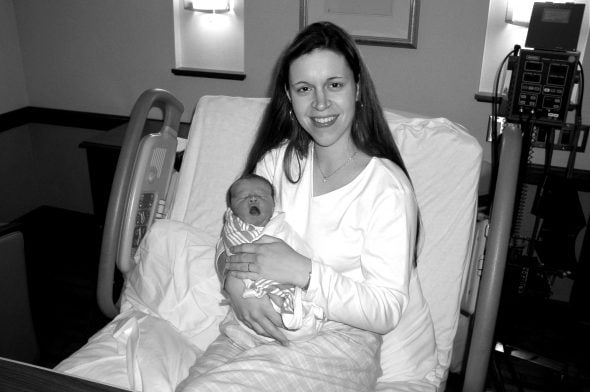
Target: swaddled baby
[{"x": 251, "y": 215}]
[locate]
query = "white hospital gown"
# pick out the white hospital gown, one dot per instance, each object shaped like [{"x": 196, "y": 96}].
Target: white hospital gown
[{"x": 362, "y": 236}]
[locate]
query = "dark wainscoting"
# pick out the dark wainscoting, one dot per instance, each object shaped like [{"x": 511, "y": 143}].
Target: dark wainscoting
[{"x": 66, "y": 118}]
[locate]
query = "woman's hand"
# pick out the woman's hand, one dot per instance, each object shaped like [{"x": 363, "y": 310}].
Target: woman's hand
[
  {"x": 271, "y": 258},
  {"x": 257, "y": 313}
]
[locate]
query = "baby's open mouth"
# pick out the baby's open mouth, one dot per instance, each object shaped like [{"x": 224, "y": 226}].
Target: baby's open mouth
[{"x": 254, "y": 211}]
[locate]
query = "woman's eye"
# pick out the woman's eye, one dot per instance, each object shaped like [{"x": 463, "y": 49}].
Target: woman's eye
[
  {"x": 336, "y": 85},
  {"x": 303, "y": 89}
]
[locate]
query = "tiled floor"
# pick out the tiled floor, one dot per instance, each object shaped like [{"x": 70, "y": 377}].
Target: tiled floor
[{"x": 63, "y": 249}]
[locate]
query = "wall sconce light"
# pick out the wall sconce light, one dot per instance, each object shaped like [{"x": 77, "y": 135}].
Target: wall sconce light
[
  {"x": 518, "y": 12},
  {"x": 209, "y": 6}
]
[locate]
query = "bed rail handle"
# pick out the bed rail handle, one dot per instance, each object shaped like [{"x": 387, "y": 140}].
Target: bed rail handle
[
  {"x": 488, "y": 298},
  {"x": 171, "y": 110}
]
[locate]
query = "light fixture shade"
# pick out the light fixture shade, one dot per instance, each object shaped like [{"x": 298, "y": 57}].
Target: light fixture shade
[
  {"x": 518, "y": 12},
  {"x": 211, "y": 6}
]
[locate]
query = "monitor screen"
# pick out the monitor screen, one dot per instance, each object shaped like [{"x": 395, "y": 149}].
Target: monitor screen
[
  {"x": 555, "y": 26},
  {"x": 556, "y": 15}
]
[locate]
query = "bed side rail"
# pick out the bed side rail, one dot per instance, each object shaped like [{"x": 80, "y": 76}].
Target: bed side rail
[
  {"x": 123, "y": 200},
  {"x": 490, "y": 288}
]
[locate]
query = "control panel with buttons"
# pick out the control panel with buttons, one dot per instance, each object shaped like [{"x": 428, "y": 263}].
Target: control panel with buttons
[{"x": 542, "y": 85}]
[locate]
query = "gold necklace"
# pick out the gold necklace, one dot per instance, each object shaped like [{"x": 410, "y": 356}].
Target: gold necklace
[{"x": 325, "y": 178}]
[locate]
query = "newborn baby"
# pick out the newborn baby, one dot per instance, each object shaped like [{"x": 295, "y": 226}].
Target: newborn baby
[
  {"x": 251, "y": 207},
  {"x": 249, "y": 216}
]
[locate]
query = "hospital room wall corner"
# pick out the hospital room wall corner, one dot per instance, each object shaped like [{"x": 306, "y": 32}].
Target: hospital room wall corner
[{"x": 42, "y": 162}]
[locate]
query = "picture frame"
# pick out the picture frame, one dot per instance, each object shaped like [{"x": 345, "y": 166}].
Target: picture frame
[{"x": 370, "y": 22}]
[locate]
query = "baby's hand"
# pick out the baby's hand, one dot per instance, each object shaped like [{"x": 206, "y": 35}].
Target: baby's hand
[{"x": 276, "y": 299}]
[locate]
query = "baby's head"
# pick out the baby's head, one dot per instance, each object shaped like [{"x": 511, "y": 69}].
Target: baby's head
[{"x": 251, "y": 198}]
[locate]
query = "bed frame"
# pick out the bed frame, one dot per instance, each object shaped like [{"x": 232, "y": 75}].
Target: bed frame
[
  {"x": 496, "y": 251},
  {"x": 497, "y": 227}
]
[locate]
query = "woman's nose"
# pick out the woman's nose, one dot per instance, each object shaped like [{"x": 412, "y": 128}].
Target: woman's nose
[{"x": 321, "y": 101}]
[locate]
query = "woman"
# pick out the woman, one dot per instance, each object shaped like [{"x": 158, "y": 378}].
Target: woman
[{"x": 339, "y": 178}]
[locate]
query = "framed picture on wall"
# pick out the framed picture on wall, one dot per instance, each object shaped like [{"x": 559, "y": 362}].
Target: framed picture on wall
[{"x": 370, "y": 22}]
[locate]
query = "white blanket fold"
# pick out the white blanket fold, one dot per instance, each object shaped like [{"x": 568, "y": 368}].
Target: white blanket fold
[{"x": 170, "y": 313}]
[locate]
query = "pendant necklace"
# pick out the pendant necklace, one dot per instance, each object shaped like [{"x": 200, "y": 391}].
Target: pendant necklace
[{"x": 325, "y": 178}]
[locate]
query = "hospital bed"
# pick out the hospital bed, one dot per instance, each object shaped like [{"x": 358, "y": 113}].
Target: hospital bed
[{"x": 162, "y": 226}]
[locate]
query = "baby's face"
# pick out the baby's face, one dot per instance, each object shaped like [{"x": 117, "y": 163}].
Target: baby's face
[{"x": 251, "y": 200}]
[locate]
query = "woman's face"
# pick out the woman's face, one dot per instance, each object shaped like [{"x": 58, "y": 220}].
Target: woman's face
[{"x": 323, "y": 94}]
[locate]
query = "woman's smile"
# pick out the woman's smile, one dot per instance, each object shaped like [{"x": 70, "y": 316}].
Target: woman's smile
[{"x": 324, "y": 122}]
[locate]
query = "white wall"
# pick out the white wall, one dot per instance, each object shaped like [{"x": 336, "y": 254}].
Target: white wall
[
  {"x": 98, "y": 56},
  {"x": 13, "y": 92}
]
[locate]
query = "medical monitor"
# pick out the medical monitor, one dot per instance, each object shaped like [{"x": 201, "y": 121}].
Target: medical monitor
[{"x": 555, "y": 26}]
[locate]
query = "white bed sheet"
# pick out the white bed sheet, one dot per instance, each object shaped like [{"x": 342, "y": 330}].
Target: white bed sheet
[{"x": 178, "y": 298}]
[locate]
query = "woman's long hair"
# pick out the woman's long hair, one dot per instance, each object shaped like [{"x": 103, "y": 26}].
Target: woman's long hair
[{"x": 370, "y": 132}]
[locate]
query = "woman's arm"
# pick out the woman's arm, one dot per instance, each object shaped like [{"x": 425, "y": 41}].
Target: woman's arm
[
  {"x": 257, "y": 313},
  {"x": 376, "y": 300},
  {"x": 260, "y": 260}
]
